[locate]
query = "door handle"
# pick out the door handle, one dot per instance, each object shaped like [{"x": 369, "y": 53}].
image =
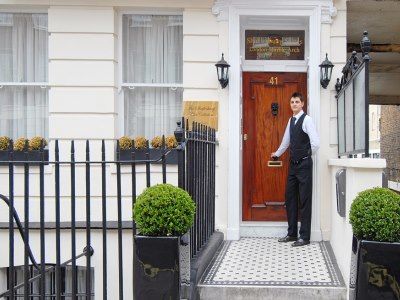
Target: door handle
[{"x": 245, "y": 137}]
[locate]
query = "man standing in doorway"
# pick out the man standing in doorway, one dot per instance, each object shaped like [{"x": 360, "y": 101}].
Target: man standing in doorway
[{"x": 302, "y": 140}]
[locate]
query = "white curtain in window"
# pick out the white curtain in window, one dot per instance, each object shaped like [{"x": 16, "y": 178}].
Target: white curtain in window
[
  {"x": 23, "y": 58},
  {"x": 80, "y": 280},
  {"x": 152, "y": 53}
]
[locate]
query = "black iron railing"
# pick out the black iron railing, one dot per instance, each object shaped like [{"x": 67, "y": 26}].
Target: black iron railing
[
  {"x": 199, "y": 180},
  {"x": 353, "y": 105},
  {"x": 196, "y": 174}
]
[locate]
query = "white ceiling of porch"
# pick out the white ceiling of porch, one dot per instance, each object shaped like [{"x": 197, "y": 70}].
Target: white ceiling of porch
[{"x": 382, "y": 21}]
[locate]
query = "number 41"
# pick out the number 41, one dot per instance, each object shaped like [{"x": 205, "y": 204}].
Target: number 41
[{"x": 273, "y": 80}]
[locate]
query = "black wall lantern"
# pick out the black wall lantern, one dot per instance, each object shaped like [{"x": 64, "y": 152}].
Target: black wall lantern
[
  {"x": 222, "y": 72},
  {"x": 326, "y": 72}
]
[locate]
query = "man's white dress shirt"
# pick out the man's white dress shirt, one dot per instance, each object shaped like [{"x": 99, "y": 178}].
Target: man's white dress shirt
[{"x": 308, "y": 127}]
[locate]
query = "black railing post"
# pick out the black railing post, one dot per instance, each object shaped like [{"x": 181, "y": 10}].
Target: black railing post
[
  {"x": 163, "y": 161},
  {"x": 197, "y": 183},
  {"x": 202, "y": 183},
  {"x": 57, "y": 205},
  {"x": 88, "y": 246},
  {"x": 147, "y": 164},
  {"x": 179, "y": 135},
  {"x": 11, "y": 220},
  {"x": 212, "y": 179},
  {"x": 133, "y": 175},
  {"x": 366, "y": 59},
  {"x": 208, "y": 182},
  {"x": 73, "y": 223},
  {"x": 42, "y": 228},
  {"x": 104, "y": 216},
  {"x": 26, "y": 222},
  {"x": 119, "y": 209}
]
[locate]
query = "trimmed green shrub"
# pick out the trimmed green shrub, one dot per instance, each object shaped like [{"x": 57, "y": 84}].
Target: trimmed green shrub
[
  {"x": 164, "y": 210},
  {"x": 375, "y": 215}
]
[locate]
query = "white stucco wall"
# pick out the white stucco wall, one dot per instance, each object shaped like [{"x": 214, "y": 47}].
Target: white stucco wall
[
  {"x": 83, "y": 104},
  {"x": 84, "y": 79},
  {"x": 84, "y": 100},
  {"x": 361, "y": 174},
  {"x": 204, "y": 39}
]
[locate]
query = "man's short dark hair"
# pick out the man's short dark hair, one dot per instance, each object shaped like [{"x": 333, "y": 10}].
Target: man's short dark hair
[{"x": 298, "y": 95}]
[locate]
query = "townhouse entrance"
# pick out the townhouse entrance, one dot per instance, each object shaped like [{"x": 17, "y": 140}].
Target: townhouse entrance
[{"x": 266, "y": 111}]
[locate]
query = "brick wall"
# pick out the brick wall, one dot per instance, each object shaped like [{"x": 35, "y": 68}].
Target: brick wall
[{"x": 390, "y": 140}]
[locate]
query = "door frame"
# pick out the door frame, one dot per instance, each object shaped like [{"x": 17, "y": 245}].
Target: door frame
[{"x": 315, "y": 12}]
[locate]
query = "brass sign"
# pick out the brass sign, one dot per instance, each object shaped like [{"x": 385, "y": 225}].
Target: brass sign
[
  {"x": 204, "y": 112},
  {"x": 274, "y": 44}
]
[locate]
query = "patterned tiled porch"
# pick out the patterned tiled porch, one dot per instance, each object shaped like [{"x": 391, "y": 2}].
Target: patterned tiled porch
[{"x": 262, "y": 268}]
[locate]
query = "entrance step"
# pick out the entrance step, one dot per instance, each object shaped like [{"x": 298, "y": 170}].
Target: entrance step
[
  {"x": 263, "y": 268},
  {"x": 263, "y": 229}
]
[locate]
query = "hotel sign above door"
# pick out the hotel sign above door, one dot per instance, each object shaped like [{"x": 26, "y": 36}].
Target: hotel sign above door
[{"x": 274, "y": 45}]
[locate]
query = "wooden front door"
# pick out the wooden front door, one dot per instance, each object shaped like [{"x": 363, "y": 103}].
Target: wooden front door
[{"x": 266, "y": 111}]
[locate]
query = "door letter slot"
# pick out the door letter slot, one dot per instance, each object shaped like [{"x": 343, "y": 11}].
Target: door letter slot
[{"x": 275, "y": 163}]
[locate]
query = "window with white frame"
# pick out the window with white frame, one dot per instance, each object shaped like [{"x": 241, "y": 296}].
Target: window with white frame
[
  {"x": 34, "y": 287},
  {"x": 151, "y": 73},
  {"x": 23, "y": 75}
]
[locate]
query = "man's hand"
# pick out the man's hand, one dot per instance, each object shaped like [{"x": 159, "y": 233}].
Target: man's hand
[{"x": 273, "y": 155}]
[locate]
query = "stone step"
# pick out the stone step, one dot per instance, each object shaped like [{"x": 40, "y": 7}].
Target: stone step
[{"x": 208, "y": 292}]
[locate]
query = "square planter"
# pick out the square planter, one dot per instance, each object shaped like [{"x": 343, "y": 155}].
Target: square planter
[
  {"x": 34, "y": 157},
  {"x": 156, "y": 267},
  {"x": 140, "y": 154},
  {"x": 378, "y": 270}
]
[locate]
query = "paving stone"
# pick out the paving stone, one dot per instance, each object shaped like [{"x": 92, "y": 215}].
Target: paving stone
[{"x": 265, "y": 261}]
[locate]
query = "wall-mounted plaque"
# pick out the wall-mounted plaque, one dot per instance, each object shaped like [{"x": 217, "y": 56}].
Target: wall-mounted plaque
[
  {"x": 204, "y": 112},
  {"x": 274, "y": 44}
]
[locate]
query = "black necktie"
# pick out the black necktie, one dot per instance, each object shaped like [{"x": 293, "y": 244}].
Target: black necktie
[{"x": 292, "y": 123}]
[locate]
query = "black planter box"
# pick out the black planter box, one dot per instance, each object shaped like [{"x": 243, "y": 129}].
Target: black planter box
[
  {"x": 156, "y": 268},
  {"x": 140, "y": 154},
  {"x": 33, "y": 156},
  {"x": 378, "y": 270}
]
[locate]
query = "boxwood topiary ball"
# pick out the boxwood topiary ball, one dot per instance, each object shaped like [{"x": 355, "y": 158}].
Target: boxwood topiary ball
[
  {"x": 171, "y": 142},
  {"x": 36, "y": 142},
  {"x": 4, "y": 143},
  {"x": 19, "y": 144},
  {"x": 375, "y": 215},
  {"x": 140, "y": 142},
  {"x": 164, "y": 210},
  {"x": 156, "y": 142},
  {"x": 125, "y": 143}
]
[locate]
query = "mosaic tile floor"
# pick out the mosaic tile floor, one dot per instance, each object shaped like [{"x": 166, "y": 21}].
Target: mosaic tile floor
[{"x": 265, "y": 261}]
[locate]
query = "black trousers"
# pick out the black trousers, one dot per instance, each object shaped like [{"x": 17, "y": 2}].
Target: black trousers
[{"x": 299, "y": 197}]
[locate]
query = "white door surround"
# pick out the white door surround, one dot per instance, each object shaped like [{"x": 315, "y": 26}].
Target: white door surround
[{"x": 315, "y": 12}]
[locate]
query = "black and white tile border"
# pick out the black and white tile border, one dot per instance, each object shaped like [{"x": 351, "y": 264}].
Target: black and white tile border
[{"x": 264, "y": 261}]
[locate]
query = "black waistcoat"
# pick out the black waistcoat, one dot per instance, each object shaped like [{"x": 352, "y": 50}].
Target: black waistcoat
[{"x": 300, "y": 146}]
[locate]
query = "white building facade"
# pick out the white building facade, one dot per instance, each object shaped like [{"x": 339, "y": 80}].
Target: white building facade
[{"x": 102, "y": 76}]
